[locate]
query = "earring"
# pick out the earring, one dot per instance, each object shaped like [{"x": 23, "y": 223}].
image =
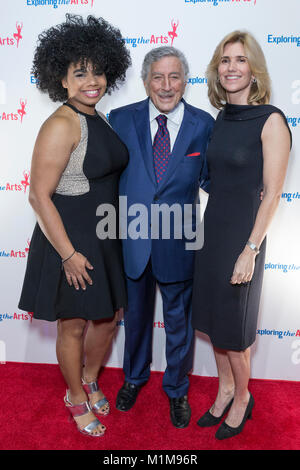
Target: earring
[{"x": 254, "y": 80}]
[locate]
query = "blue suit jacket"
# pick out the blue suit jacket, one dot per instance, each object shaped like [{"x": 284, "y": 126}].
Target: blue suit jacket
[{"x": 171, "y": 262}]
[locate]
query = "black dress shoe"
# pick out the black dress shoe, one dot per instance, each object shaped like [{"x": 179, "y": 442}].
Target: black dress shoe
[
  {"x": 208, "y": 419},
  {"x": 180, "y": 411},
  {"x": 225, "y": 431},
  {"x": 126, "y": 396}
]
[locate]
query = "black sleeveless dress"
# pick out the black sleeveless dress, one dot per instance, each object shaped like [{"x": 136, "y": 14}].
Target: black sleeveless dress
[
  {"x": 228, "y": 313},
  {"x": 91, "y": 178}
]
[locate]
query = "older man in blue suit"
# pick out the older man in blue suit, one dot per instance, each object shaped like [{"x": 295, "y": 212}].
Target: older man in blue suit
[{"x": 167, "y": 140}]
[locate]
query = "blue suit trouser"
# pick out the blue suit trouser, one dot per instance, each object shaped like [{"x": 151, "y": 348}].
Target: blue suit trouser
[{"x": 138, "y": 321}]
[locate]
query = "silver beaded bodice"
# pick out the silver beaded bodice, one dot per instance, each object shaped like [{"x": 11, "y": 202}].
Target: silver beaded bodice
[{"x": 73, "y": 181}]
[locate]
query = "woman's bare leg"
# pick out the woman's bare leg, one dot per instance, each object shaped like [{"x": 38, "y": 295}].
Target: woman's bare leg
[
  {"x": 240, "y": 366},
  {"x": 97, "y": 341},
  {"x": 226, "y": 383},
  {"x": 69, "y": 349}
]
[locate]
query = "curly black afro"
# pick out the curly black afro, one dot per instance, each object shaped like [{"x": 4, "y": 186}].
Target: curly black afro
[{"x": 74, "y": 41}]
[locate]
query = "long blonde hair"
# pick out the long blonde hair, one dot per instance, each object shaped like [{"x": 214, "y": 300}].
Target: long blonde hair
[{"x": 260, "y": 90}]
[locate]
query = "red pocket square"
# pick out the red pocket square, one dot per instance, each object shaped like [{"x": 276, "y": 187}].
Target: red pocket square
[{"x": 196, "y": 154}]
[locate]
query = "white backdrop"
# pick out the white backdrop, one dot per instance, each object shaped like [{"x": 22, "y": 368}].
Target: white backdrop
[{"x": 199, "y": 25}]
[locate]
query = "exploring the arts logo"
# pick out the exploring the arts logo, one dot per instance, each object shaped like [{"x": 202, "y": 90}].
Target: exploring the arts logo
[
  {"x": 16, "y": 316},
  {"x": 283, "y": 39},
  {"x": 59, "y": 3},
  {"x": 15, "y": 253},
  {"x": 12, "y": 39},
  {"x": 15, "y": 115},
  {"x": 282, "y": 267},
  {"x": 278, "y": 334},
  {"x": 17, "y": 186},
  {"x": 167, "y": 38},
  {"x": 291, "y": 196}
]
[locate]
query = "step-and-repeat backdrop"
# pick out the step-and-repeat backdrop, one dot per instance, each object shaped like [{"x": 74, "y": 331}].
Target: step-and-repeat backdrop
[{"x": 195, "y": 27}]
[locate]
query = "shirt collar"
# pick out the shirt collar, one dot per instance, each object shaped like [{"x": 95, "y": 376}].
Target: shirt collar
[{"x": 174, "y": 116}]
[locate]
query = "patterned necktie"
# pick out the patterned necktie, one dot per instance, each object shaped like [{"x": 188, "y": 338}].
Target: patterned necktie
[{"x": 161, "y": 148}]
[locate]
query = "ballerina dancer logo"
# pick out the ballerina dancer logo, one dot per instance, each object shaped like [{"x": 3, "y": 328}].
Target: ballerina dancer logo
[
  {"x": 31, "y": 316},
  {"x": 12, "y": 39},
  {"x": 18, "y": 35},
  {"x": 27, "y": 247},
  {"x": 22, "y": 111},
  {"x": 20, "y": 186},
  {"x": 173, "y": 33},
  {"x": 25, "y": 181},
  {"x": 16, "y": 115}
]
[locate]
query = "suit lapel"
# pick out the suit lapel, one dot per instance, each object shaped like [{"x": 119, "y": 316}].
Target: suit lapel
[
  {"x": 141, "y": 117},
  {"x": 181, "y": 144}
]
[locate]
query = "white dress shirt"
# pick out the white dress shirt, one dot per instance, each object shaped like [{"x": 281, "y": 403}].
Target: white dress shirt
[{"x": 173, "y": 123}]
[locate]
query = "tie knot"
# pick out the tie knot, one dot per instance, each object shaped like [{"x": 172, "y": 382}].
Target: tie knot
[{"x": 162, "y": 120}]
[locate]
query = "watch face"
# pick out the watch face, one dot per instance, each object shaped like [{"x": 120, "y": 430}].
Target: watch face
[{"x": 253, "y": 247}]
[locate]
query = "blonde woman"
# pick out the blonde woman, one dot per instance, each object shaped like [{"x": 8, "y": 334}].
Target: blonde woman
[{"x": 248, "y": 152}]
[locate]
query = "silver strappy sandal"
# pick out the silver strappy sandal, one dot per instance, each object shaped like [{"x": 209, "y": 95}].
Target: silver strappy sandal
[
  {"x": 82, "y": 409},
  {"x": 90, "y": 388}
]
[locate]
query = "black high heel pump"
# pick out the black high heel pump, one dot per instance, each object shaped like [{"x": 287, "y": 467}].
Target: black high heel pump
[
  {"x": 208, "y": 419},
  {"x": 225, "y": 431}
]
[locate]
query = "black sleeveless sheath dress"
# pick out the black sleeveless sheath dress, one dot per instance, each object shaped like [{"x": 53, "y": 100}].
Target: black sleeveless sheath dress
[
  {"x": 90, "y": 179},
  {"x": 228, "y": 313}
]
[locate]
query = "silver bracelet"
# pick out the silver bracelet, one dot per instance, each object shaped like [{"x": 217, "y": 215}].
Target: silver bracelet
[{"x": 252, "y": 246}]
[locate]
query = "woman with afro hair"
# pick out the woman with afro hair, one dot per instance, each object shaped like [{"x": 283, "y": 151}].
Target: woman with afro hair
[{"x": 73, "y": 276}]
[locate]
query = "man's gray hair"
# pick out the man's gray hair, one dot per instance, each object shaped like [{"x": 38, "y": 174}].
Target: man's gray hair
[{"x": 159, "y": 53}]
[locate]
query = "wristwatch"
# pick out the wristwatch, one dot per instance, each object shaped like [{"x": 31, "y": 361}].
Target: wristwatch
[{"x": 253, "y": 247}]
